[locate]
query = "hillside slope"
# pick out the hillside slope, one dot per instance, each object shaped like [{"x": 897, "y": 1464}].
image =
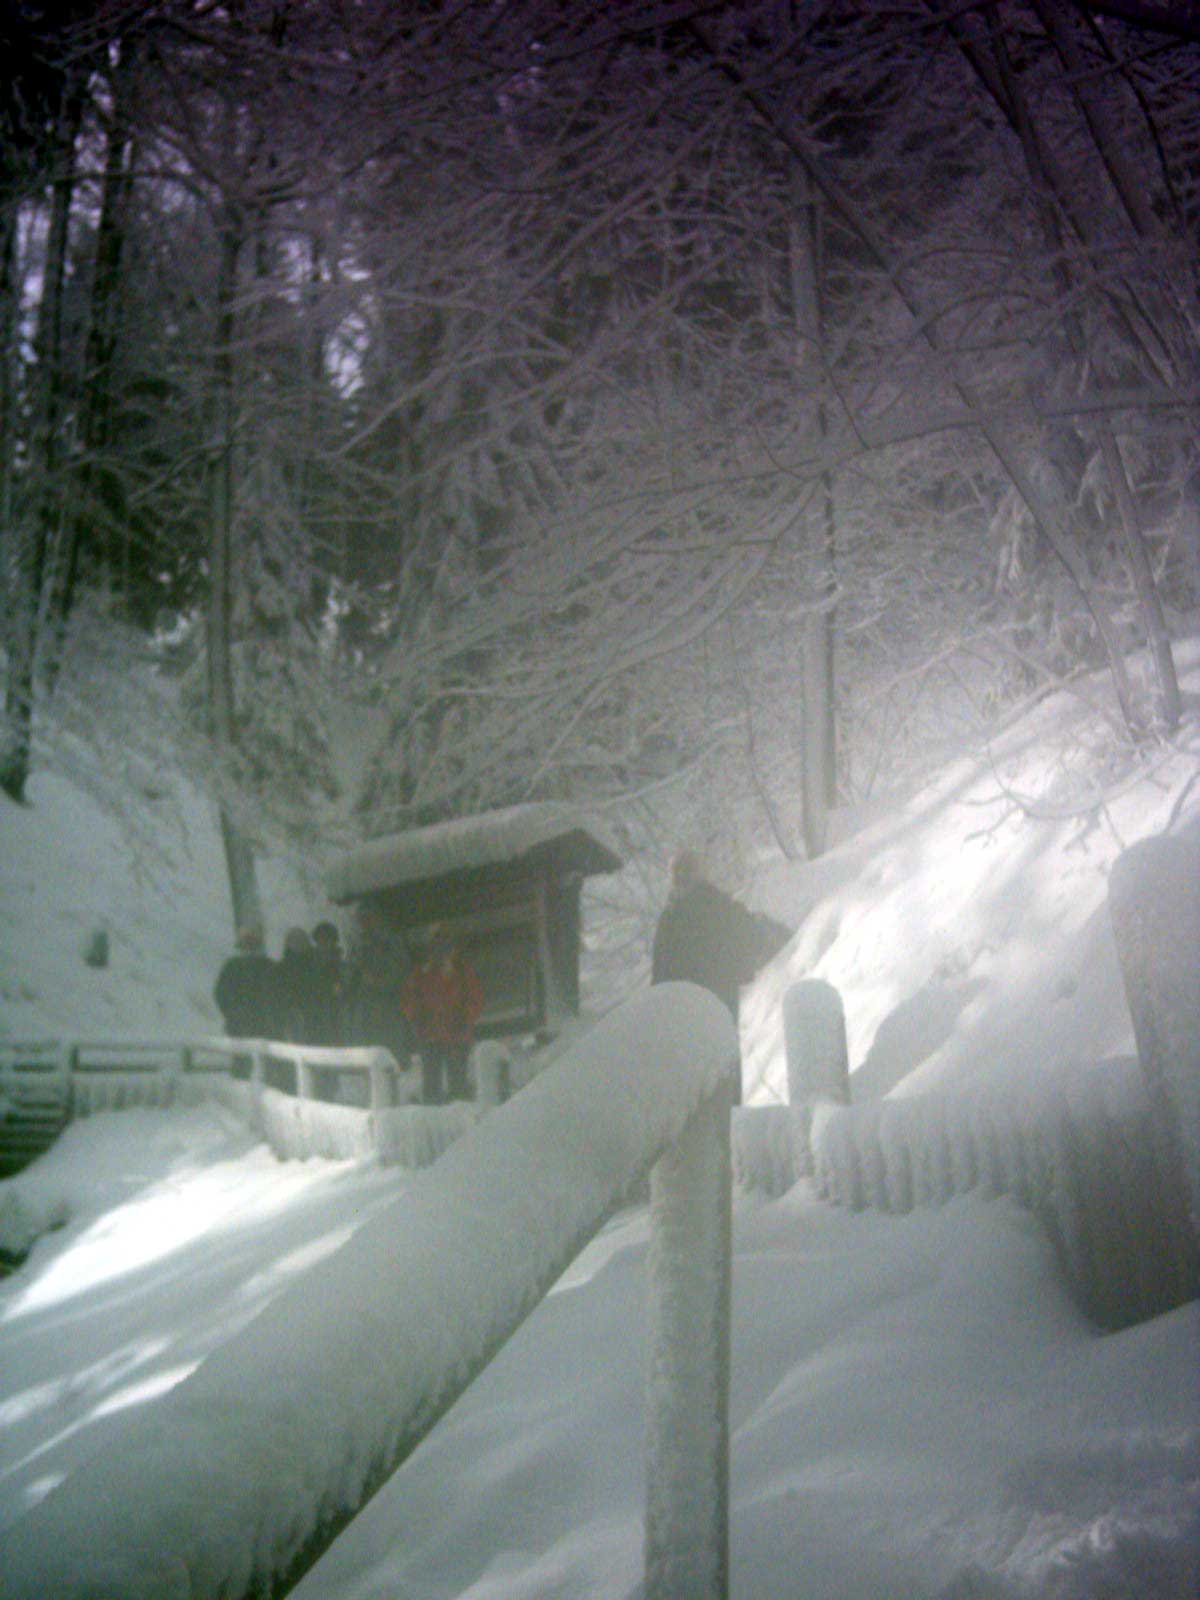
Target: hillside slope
[
  {"x": 968, "y": 931},
  {"x": 918, "y": 1409},
  {"x": 152, "y": 876}
]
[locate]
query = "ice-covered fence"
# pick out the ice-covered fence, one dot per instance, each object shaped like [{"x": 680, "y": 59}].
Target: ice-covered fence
[
  {"x": 1154, "y": 899},
  {"x": 814, "y": 1035},
  {"x": 339, "y": 1102},
  {"x": 1090, "y": 1151},
  {"x": 43, "y": 1083},
  {"x": 342, "y": 1102},
  {"x": 492, "y": 1065},
  {"x": 345, "y": 1103},
  {"x": 771, "y": 1145},
  {"x": 414, "y": 1136},
  {"x": 112, "y": 1074},
  {"x": 231, "y": 1483},
  {"x": 35, "y": 1099},
  {"x": 1078, "y": 1151}
]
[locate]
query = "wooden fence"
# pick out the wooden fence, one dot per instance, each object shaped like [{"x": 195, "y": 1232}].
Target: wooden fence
[
  {"x": 343, "y": 1101},
  {"x": 1084, "y": 1151}
]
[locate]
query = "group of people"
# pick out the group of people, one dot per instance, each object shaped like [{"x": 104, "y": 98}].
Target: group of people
[
  {"x": 297, "y": 999},
  {"x": 313, "y": 995}
]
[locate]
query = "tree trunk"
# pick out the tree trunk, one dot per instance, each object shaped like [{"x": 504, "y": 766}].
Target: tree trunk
[
  {"x": 222, "y": 721},
  {"x": 1005, "y": 441},
  {"x": 92, "y": 528},
  {"x": 1142, "y": 576},
  {"x": 40, "y": 519},
  {"x": 818, "y": 726},
  {"x": 9, "y": 294}
]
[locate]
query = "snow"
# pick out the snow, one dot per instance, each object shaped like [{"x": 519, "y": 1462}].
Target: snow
[
  {"x": 284, "y": 1427},
  {"x": 69, "y": 865},
  {"x": 469, "y": 842},
  {"x": 968, "y": 931},
  {"x": 207, "y": 1345}
]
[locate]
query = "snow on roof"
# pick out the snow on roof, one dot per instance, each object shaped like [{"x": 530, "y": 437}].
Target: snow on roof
[{"x": 466, "y": 843}]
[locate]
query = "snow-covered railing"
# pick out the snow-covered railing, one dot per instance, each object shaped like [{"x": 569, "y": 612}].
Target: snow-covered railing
[
  {"x": 34, "y": 1099},
  {"x": 235, "y": 1481},
  {"x": 339, "y": 1102},
  {"x": 46, "y": 1082},
  {"x": 1078, "y": 1152},
  {"x": 343, "y": 1102},
  {"x": 1106, "y": 1155},
  {"x": 363, "y": 1076},
  {"x": 85, "y": 1075},
  {"x": 113, "y": 1074}
]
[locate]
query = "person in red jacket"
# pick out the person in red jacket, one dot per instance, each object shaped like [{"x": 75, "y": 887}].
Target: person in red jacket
[{"x": 442, "y": 999}]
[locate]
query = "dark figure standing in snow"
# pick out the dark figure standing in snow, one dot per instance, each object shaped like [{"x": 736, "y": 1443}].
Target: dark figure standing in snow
[
  {"x": 297, "y": 974},
  {"x": 707, "y": 937},
  {"x": 371, "y": 985},
  {"x": 442, "y": 998},
  {"x": 325, "y": 998},
  {"x": 247, "y": 990}
]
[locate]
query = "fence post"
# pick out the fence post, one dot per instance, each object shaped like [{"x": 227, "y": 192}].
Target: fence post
[
  {"x": 381, "y": 1079},
  {"x": 814, "y": 1032},
  {"x": 1154, "y": 903},
  {"x": 71, "y": 1069},
  {"x": 493, "y": 1068},
  {"x": 687, "y": 1408}
]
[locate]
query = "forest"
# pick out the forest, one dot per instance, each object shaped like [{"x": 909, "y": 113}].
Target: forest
[{"x": 711, "y": 412}]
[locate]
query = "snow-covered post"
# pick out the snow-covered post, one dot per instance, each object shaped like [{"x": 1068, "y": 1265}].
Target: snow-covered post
[
  {"x": 382, "y": 1072},
  {"x": 306, "y": 1078},
  {"x": 1154, "y": 902},
  {"x": 814, "y": 1033},
  {"x": 492, "y": 1064},
  {"x": 258, "y": 1078},
  {"x": 687, "y": 1409}
]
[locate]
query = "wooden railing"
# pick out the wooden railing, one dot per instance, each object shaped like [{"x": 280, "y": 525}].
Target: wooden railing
[
  {"x": 35, "y": 1101},
  {"x": 45, "y": 1083},
  {"x": 1099, "y": 1155},
  {"x": 470, "y": 1249}
]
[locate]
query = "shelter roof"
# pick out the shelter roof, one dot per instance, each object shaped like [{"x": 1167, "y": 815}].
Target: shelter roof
[{"x": 544, "y": 831}]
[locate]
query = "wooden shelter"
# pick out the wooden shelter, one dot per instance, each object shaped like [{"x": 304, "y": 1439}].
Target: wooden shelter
[{"x": 508, "y": 883}]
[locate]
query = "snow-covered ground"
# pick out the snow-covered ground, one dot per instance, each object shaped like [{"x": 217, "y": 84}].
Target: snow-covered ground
[
  {"x": 918, "y": 1409},
  {"x": 150, "y": 872}
]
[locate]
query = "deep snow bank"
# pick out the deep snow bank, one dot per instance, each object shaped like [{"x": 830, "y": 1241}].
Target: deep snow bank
[{"x": 968, "y": 933}]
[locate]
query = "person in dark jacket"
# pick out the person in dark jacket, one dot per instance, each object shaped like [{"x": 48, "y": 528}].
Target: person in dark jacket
[
  {"x": 705, "y": 936},
  {"x": 442, "y": 999},
  {"x": 297, "y": 976},
  {"x": 373, "y": 976},
  {"x": 325, "y": 1019},
  {"x": 247, "y": 990}
]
